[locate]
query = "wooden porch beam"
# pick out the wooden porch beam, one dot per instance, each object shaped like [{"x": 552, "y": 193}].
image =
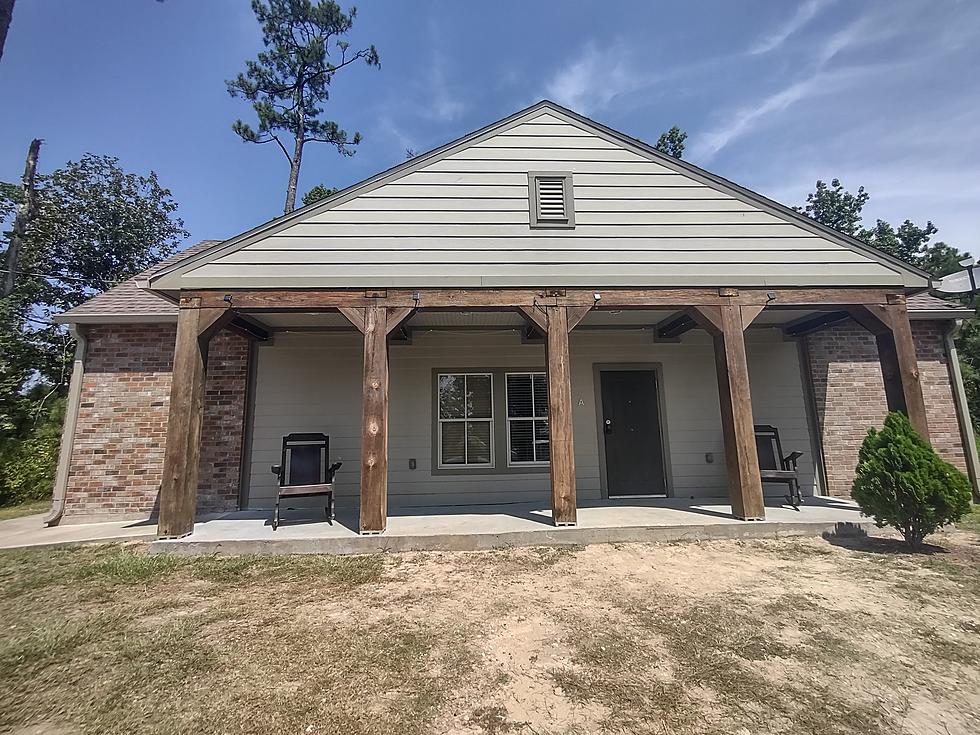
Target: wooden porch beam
[
  {"x": 576, "y": 314},
  {"x": 355, "y": 315},
  {"x": 890, "y": 325},
  {"x": 727, "y": 325},
  {"x": 811, "y": 324},
  {"x": 536, "y": 316},
  {"x": 182, "y": 457},
  {"x": 615, "y": 298}
]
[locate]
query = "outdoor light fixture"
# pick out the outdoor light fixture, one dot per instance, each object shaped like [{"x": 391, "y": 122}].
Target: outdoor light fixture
[
  {"x": 770, "y": 297},
  {"x": 228, "y": 297}
]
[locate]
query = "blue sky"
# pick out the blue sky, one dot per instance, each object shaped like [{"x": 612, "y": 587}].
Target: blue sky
[{"x": 774, "y": 95}]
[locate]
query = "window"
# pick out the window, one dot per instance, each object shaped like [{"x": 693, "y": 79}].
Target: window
[
  {"x": 551, "y": 201},
  {"x": 528, "y": 439},
  {"x": 465, "y": 419}
]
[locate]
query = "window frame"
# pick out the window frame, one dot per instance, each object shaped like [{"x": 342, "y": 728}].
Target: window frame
[
  {"x": 499, "y": 431},
  {"x": 439, "y": 420},
  {"x": 536, "y": 221},
  {"x": 529, "y": 419}
]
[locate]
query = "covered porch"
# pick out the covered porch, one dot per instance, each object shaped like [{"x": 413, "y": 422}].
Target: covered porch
[
  {"x": 482, "y": 527},
  {"x": 369, "y": 368}
]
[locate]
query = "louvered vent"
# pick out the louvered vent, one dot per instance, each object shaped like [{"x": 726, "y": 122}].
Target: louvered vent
[{"x": 551, "y": 199}]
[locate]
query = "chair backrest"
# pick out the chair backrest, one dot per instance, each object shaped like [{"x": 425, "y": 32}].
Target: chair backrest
[
  {"x": 769, "y": 448},
  {"x": 304, "y": 459}
]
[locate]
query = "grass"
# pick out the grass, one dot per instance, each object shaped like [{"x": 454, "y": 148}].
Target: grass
[
  {"x": 801, "y": 637},
  {"x": 971, "y": 521},
  {"x": 31, "y": 507}
]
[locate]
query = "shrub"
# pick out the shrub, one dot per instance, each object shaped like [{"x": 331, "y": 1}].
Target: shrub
[
  {"x": 902, "y": 482},
  {"x": 28, "y": 461}
]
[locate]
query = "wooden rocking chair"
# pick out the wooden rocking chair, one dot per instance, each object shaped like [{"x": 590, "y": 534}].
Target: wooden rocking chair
[
  {"x": 774, "y": 466},
  {"x": 303, "y": 471}
]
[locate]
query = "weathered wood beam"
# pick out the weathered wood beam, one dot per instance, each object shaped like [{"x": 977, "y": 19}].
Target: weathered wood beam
[
  {"x": 396, "y": 316},
  {"x": 374, "y": 423},
  {"x": 576, "y": 314},
  {"x": 727, "y": 325},
  {"x": 563, "y": 503},
  {"x": 616, "y": 298},
  {"x": 355, "y": 315},
  {"x": 182, "y": 457},
  {"x": 535, "y": 315},
  {"x": 890, "y": 325}
]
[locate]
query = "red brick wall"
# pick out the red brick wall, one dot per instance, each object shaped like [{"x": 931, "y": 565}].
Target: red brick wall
[
  {"x": 850, "y": 395},
  {"x": 117, "y": 457}
]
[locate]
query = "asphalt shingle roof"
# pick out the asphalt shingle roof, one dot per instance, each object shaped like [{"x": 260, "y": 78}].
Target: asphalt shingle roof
[{"x": 129, "y": 300}]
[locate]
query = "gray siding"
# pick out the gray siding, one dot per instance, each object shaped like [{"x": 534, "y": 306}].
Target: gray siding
[
  {"x": 312, "y": 382},
  {"x": 463, "y": 220}
]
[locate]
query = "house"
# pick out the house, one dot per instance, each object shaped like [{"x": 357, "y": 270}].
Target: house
[{"x": 544, "y": 310}]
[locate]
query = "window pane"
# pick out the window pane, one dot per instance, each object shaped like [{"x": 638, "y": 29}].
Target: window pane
[
  {"x": 521, "y": 441},
  {"x": 453, "y": 442},
  {"x": 542, "y": 448},
  {"x": 540, "y": 395},
  {"x": 477, "y": 442},
  {"x": 519, "y": 396},
  {"x": 478, "y": 397},
  {"x": 451, "y": 396}
]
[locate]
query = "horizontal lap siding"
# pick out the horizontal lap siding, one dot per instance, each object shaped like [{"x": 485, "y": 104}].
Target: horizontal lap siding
[
  {"x": 464, "y": 220},
  {"x": 311, "y": 382}
]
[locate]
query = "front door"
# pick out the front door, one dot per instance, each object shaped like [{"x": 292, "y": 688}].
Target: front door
[{"x": 632, "y": 434}]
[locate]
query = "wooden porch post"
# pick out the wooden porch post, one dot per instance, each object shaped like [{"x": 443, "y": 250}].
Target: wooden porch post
[
  {"x": 375, "y": 323},
  {"x": 182, "y": 458},
  {"x": 556, "y": 322},
  {"x": 727, "y": 323},
  {"x": 889, "y": 323}
]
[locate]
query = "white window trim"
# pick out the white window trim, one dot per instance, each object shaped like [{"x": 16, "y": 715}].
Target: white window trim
[
  {"x": 466, "y": 465},
  {"x": 532, "y": 419}
]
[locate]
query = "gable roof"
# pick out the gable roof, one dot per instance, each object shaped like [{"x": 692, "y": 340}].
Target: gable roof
[
  {"x": 129, "y": 302},
  {"x": 352, "y": 243}
]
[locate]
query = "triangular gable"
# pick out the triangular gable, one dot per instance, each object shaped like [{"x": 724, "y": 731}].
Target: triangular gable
[{"x": 460, "y": 216}]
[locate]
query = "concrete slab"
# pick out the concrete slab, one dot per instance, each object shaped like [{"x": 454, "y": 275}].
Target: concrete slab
[
  {"x": 30, "y": 531},
  {"x": 462, "y": 528}
]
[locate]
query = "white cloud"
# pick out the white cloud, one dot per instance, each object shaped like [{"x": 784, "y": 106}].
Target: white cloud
[
  {"x": 443, "y": 105},
  {"x": 595, "y": 79},
  {"x": 803, "y": 15}
]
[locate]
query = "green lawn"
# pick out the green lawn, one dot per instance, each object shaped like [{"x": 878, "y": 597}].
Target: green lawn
[{"x": 23, "y": 509}]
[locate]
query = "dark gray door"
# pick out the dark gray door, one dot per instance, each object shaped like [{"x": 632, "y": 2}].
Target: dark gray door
[{"x": 631, "y": 432}]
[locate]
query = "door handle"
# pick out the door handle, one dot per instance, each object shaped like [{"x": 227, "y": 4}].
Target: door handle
[{"x": 607, "y": 426}]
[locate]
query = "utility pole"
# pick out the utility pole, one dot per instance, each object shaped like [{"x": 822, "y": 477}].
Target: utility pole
[{"x": 23, "y": 219}]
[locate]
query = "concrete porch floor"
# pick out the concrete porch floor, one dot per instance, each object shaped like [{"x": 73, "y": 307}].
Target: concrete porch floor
[{"x": 473, "y": 527}]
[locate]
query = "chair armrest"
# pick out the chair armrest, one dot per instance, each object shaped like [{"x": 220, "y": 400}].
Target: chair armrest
[
  {"x": 332, "y": 470},
  {"x": 790, "y": 460}
]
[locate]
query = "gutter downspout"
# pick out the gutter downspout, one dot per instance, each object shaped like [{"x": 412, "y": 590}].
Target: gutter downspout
[
  {"x": 68, "y": 429},
  {"x": 962, "y": 409}
]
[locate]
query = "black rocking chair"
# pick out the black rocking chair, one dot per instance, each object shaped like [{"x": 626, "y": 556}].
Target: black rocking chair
[
  {"x": 776, "y": 467},
  {"x": 303, "y": 471}
]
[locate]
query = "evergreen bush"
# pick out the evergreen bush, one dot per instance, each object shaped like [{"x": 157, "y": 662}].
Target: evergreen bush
[{"x": 901, "y": 482}]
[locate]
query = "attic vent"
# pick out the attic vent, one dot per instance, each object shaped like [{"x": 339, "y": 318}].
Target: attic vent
[{"x": 551, "y": 201}]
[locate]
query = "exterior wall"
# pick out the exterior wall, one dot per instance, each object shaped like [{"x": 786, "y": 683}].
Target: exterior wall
[
  {"x": 464, "y": 220},
  {"x": 312, "y": 382},
  {"x": 850, "y": 395},
  {"x": 120, "y": 438}
]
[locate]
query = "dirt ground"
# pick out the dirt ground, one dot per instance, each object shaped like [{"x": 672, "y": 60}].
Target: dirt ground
[{"x": 789, "y": 636}]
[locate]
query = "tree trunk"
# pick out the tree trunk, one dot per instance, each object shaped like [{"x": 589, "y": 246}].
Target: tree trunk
[
  {"x": 297, "y": 159},
  {"x": 25, "y": 215},
  {"x": 6, "y": 13},
  {"x": 294, "y": 165}
]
